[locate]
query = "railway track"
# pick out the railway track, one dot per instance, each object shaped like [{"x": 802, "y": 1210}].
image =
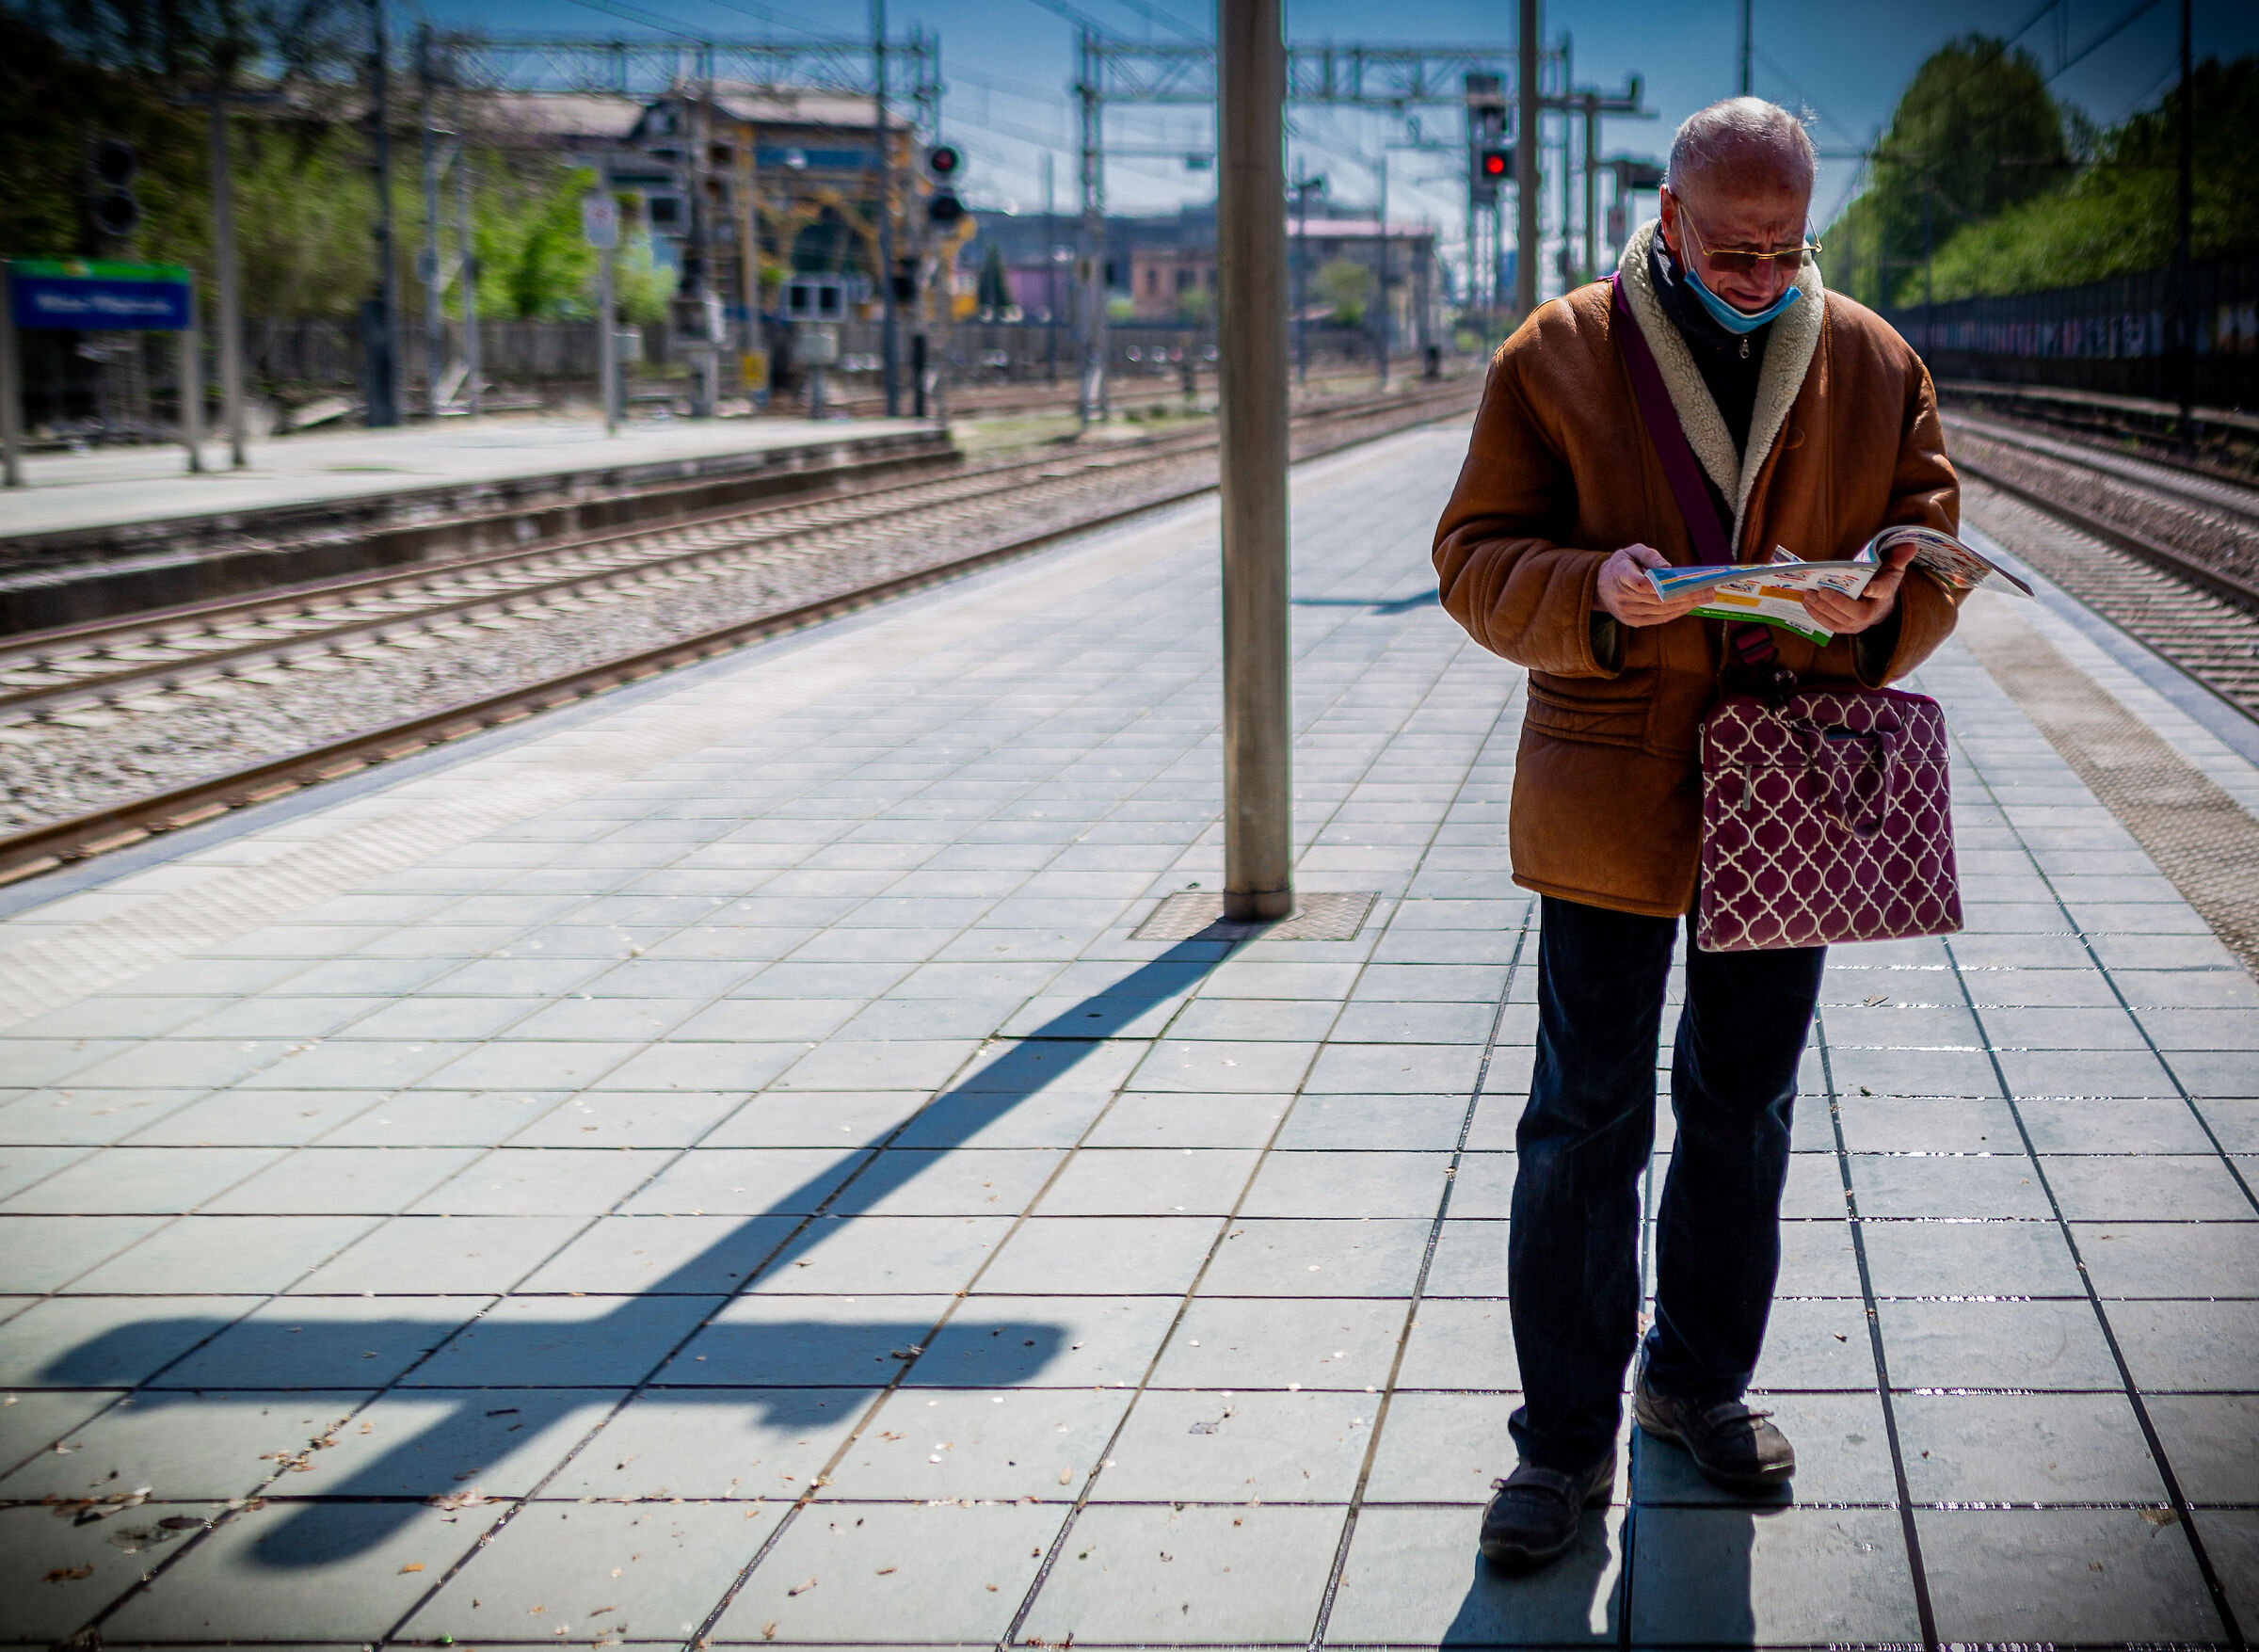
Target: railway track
[
  {"x": 92, "y": 681},
  {"x": 2170, "y": 556}
]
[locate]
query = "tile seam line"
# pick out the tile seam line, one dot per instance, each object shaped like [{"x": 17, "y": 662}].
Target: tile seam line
[
  {"x": 1925, "y": 1609},
  {"x": 647, "y": 1382},
  {"x": 2216, "y": 1591},
  {"x": 381, "y": 778},
  {"x": 703, "y": 1634},
  {"x": 872, "y": 1152},
  {"x": 2085, "y": 945},
  {"x": 1058, "y": 1544},
  {"x": 147, "y": 1581},
  {"x": 678, "y": 1155},
  {"x": 675, "y": 1156},
  {"x": 1404, "y": 1336}
]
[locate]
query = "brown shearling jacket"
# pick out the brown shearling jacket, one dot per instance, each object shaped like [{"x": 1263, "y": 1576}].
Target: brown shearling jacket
[{"x": 1560, "y": 474}]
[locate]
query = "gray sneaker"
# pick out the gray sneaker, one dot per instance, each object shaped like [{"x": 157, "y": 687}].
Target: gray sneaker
[
  {"x": 1533, "y": 1513},
  {"x": 1735, "y": 1448}
]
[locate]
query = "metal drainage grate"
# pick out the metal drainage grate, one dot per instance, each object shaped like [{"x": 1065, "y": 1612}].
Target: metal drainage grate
[{"x": 1194, "y": 916}]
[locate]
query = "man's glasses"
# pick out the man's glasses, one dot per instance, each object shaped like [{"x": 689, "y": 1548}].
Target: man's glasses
[{"x": 1743, "y": 259}]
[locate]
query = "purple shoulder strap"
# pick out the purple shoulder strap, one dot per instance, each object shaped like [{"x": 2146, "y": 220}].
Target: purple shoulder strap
[
  {"x": 1680, "y": 467},
  {"x": 1751, "y": 644}
]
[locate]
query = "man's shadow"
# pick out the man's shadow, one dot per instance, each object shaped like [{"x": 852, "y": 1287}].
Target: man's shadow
[
  {"x": 772, "y": 1365},
  {"x": 1684, "y": 1562}
]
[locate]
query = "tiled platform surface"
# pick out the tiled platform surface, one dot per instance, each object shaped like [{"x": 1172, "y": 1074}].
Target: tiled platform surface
[
  {"x": 506, "y": 1193},
  {"x": 130, "y": 484}
]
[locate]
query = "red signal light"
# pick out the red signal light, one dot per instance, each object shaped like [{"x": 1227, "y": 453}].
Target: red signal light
[{"x": 1494, "y": 163}]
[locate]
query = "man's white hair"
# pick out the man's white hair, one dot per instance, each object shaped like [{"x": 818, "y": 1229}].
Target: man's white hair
[{"x": 1740, "y": 135}]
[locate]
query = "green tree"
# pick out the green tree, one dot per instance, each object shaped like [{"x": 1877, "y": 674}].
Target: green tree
[
  {"x": 532, "y": 264},
  {"x": 2120, "y": 213},
  {"x": 1348, "y": 286},
  {"x": 1975, "y": 132}
]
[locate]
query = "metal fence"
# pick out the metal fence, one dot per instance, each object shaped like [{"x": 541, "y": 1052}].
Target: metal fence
[
  {"x": 2112, "y": 336},
  {"x": 328, "y": 353}
]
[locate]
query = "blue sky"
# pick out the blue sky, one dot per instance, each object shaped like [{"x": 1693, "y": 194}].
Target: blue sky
[{"x": 1007, "y": 63}]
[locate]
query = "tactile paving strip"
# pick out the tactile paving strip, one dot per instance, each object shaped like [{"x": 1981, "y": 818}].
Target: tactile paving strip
[
  {"x": 1193, "y": 915},
  {"x": 2200, "y": 838}
]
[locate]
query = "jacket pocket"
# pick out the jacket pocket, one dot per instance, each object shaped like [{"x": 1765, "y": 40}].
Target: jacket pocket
[{"x": 1609, "y": 712}]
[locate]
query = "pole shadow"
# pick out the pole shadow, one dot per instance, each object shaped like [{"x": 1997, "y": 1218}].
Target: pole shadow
[
  {"x": 631, "y": 1345},
  {"x": 1381, "y": 605}
]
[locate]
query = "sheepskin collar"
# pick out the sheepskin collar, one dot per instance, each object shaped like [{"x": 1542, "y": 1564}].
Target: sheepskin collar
[{"x": 1788, "y": 352}]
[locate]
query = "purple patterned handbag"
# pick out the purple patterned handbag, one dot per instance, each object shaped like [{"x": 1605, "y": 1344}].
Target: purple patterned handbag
[
  {"x": 1825, "y": 819},
  {"x": 1827, "y": 816}
]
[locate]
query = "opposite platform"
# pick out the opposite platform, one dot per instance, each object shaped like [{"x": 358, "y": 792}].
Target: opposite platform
[
  {"x": 719, "y": 1166},
  {"x": 73, "y": 492}
]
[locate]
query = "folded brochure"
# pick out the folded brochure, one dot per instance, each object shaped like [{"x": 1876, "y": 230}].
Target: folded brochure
[{"x": 1773, "y": 595}]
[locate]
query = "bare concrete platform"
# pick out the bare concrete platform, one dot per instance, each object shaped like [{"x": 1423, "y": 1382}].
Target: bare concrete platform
[{"x": 721, "y": 1166}]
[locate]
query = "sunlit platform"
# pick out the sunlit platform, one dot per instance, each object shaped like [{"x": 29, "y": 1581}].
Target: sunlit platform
[{"x": 718, "y": 1166}]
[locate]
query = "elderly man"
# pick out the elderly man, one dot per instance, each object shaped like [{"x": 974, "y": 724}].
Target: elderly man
[{"x": 1814, "y": 425}]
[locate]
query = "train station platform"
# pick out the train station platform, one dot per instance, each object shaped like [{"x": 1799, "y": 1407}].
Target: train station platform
[
  {"x": 99, "y": 534},
  {"x": 748, "y": 1160},
  {"x": 117, "y": 487}
]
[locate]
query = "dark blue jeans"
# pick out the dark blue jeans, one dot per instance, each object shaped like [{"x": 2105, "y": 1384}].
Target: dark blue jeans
[{"x": 1572, "y": 1264}]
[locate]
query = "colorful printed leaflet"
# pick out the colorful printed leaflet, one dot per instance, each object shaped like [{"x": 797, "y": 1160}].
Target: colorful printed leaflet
[{"x": 1774, "y": 596}]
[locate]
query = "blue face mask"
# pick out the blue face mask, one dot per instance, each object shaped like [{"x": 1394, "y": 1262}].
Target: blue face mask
[{"x": 1728, "y": 317}]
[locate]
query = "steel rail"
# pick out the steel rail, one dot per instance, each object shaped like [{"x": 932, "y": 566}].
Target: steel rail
[
  {"x": 91, "y": 688},
  {"x": 2197, "y": 488},
  {"x": 2215, "y": 582},
  {"x": 44, "y": 847}
]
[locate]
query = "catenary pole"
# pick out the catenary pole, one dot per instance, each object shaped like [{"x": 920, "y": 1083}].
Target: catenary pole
[
  {"x": 1387, "y": 312},
  {"x": 607, "y": 314},
  {"x": 2184, "y": 281},
  {"x": 229, "y": 294},
  {"x": 384, "y": 389},
  {"x": 1527, "y": 57},
  {"x": 435, "y": 279},
  {"x": 1746, "y": 43},
  {"x": 1252, "y": 302},
  {"x": 192, "y": 389},
  {"x": 465, "y": 263},
  {"x": 11, "y": 387},
  {"x": 891, "y": 341},
  {"x": 1050, "y": 275}
]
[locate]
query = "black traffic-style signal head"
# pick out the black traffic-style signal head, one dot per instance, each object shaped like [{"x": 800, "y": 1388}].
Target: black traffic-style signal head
[
  {"x": 113, "y": 167},
  {"x": 944, "y": 160},
  {"x": 114, "y": 163},
  {"x": 944, "y": 209},
  {"x": 1497, "y": 165}
]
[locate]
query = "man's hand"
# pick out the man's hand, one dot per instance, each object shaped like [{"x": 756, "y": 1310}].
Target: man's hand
[
  {"x": 1624, "y": 590},
  {"x": 1847, "y": 616}
]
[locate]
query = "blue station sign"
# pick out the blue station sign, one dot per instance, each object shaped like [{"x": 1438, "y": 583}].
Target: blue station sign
[{"x": 99, "y": 297}]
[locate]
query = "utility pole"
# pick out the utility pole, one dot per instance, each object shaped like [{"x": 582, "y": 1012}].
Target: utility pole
[
  {"x": 605, "y": 221},
  {"x": 1527, "y": 57},
  {"x": 890, "y": 342},
  {"x": 1050, "y": 275},
  {"x": 383, "y": 388},
  {"x": 1746, "y": 43},
  {"x": 1251, "y": 237},
  {"x": 2185, "y": 276},
  {"x": 752, "y": 355},
  {"x": 1592, "y": 183},
  {"x": 224, "y": 259},
  {"x": 435, "y": 279},
  {"x": 1303, "y": 186},
  {"x": 466, "y": 256},
  {"x": 1929, "y": 271},
  {"x": 1388, "y": 315},
  {"x": 1090, "y": 402}
]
